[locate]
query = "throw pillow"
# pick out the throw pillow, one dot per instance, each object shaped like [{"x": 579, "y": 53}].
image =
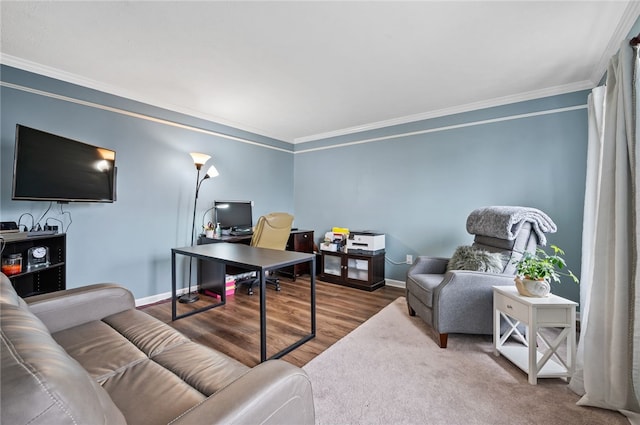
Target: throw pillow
[{"x": 470, "y": 258}]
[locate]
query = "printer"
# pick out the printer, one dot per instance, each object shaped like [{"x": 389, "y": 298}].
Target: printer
[{"x": 365, "y": 242}]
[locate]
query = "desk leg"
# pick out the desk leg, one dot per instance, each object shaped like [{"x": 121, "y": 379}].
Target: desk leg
[
  {"x": 263, "y": 317},
  {"x": 304, "y": 339},
  {"x": 173, "y": 286},
  {"x": 174, "y": 296}
]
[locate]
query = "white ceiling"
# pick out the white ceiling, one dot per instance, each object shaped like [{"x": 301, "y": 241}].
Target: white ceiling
[{"x": 299, "y": 70}]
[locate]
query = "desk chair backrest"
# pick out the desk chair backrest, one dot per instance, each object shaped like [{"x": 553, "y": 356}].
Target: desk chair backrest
[{"x": 272, "y": 231}]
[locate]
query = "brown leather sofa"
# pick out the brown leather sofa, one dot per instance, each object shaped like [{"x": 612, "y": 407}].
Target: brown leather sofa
[{"x": 87, "y": 356}]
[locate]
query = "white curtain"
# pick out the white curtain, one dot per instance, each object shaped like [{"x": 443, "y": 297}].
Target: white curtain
[{"x": 608, "y": 359}]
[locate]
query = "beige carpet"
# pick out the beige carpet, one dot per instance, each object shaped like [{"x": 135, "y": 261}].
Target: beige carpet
[{"x": 390, "y": 371}]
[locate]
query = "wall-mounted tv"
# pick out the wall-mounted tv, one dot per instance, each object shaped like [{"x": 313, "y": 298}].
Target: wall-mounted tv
[{"x": 48, "y": 167}]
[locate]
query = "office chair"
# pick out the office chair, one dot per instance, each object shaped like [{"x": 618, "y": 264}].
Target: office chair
[{"x": 272, "y": 231}]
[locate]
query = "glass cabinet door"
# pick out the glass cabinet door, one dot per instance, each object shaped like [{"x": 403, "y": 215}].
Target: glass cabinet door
[
  {"x": 332, "y": 264},
  {"x": 358, "y": 269}
]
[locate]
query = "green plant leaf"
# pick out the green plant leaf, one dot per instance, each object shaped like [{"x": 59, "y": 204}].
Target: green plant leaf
[{"x": 540, "y": 265}]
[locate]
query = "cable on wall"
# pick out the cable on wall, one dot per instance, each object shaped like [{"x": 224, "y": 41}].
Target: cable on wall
[
  {"x": 33, "y": 222},
  {"x": 42, "y": 216},
  {"x": 63, "y": 212},
  {"x": 397, "y": 263}
]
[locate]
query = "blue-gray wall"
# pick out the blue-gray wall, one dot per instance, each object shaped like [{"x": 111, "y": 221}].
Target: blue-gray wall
[
  {"x": 418, "y": 182},
  {"x": 129, "y": 241},
  {"x": 415, "y": 182}
]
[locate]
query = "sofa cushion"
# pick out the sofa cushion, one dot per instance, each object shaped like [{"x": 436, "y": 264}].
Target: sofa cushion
[
  {"x": 149, "y": 334},
  {"x": 41, "y": 383},
  {"x": 147, "y": 393},
  {"x": 100, "y": 349},
  {"x": 133, "y": 353},
  {"x": 207, "y": 370},
  {"x": 106, "y": 347}
]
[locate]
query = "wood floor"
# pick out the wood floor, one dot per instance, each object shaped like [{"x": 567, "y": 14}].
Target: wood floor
[{"x": 234, "y": 328}]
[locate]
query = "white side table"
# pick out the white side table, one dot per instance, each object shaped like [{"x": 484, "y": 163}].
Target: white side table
[{"x": 536, "y": 313}]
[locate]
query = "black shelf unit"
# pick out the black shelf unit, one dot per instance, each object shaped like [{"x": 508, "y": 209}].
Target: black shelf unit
[
  {"x": 43, "y": 279},
  {"x": 299, "y": 241},
  {"x": 359, "y": 271}
]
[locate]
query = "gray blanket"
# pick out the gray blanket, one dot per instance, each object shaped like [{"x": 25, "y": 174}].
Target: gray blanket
[{"x": 506, "y": 222}]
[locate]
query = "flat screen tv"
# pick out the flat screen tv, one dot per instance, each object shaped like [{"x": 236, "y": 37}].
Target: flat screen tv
[
  {"x": 48, "y": 167},
  {"x": 236, "y": 215}
]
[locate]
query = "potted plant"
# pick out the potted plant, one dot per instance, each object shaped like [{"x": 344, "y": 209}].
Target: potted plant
[{"x": 534, "y": 270}]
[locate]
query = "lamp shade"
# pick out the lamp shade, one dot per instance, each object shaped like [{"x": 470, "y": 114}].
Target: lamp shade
[
  {"x": 199, "y": 159},
  {"x": 212, "y": 172}
]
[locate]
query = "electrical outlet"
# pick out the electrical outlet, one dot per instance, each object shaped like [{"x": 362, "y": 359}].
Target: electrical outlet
[{"x": 409, "y": 259}]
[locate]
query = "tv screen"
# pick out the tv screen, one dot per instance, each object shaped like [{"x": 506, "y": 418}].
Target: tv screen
[
  {"x": 53, "y": 168},
  {"x": 235, "y": 216}
]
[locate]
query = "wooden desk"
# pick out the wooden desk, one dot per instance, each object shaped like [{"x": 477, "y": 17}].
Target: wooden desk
[{"x": 260, "y": 260}]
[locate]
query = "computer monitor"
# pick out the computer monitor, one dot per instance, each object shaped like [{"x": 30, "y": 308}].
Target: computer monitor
[{"x": 236, "y": 215}]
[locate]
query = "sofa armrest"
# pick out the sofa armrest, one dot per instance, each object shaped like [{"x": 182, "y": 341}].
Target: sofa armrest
[
  {"x": 273, "y": 392},
  {"x": 463, "y": 297},
  {"x": 460, "y": 282},
  {"x": 72, "y": 307},
  {"x": 428, "y": 265}
]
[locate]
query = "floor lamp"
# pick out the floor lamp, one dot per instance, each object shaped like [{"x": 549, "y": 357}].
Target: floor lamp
[{"x": 199, "y": 159}]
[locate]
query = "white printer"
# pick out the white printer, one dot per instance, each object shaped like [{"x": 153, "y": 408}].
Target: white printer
[{"x": 365, "y": 242}]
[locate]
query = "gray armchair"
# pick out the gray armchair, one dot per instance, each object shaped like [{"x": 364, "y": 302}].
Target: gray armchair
[{"x": 461, "y": 301}]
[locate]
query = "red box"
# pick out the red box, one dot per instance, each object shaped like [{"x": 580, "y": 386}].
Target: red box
[{"x": 230, "y": 289}]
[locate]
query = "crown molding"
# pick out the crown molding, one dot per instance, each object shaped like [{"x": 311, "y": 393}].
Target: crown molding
[
  {"x": 51, "y": 72},
  {"x": 138, "y": 115},
  {"x": 445, "y": 128},
  {"x": 92, "y": 84},
  {"x": 71, "y": 78},
  {"x": 500, "y": 101},
  {"x": 629, "y": 17}
]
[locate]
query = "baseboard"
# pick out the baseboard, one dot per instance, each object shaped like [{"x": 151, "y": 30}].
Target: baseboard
[
  {"x": 395, "y": 283},
  {"x": 158, "y": 297},
  {"x": 166, "y": 295}
]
